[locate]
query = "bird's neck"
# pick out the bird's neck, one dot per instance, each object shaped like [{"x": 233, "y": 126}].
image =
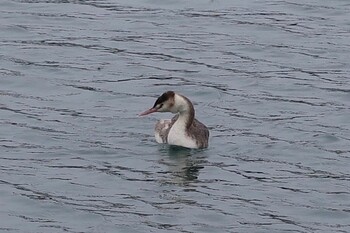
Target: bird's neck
[{"x": 185, "y": 110}]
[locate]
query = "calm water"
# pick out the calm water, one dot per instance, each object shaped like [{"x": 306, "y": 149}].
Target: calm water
[{"x": 271, "y": 79}]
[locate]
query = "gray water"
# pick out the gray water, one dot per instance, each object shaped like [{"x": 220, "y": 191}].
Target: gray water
[{"x": 269, "y": 78}]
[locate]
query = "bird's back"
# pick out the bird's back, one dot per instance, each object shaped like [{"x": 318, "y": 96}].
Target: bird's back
[{"x": 200, "y": 133}]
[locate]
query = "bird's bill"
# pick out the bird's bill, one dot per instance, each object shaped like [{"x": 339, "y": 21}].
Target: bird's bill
[{"x": 149, "y": 111}]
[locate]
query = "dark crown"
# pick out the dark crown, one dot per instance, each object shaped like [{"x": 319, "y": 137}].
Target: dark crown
[{"x": 164, "y": 97}]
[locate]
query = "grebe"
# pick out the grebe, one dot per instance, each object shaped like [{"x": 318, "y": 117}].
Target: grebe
[{"x": 183, "y": 129}]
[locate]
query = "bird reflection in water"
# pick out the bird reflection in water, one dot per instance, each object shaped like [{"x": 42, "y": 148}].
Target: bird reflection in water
[{"x": 184, "y": 164}]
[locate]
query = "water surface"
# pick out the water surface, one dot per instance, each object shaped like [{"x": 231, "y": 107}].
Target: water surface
[{"x": 269, "y": 78}]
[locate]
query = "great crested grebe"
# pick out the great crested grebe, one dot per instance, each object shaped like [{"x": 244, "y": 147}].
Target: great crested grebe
[{"x": 183, "y": 129}]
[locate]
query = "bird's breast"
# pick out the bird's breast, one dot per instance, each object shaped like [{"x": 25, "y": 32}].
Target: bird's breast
[{"x": 178, "y": 136}]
